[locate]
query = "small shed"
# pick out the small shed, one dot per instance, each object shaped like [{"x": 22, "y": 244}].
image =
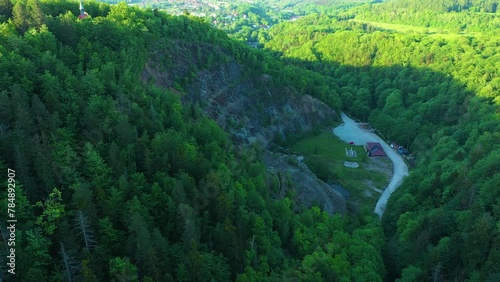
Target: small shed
[{"x": 374, "y": 149}]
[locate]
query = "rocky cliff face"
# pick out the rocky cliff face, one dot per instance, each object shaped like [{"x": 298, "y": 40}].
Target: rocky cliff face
[
  {"x": 250, "y": 111},
  {"x": 252, "y": 114}
]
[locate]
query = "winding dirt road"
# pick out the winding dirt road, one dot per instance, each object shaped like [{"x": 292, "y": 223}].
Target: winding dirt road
[{"x": 349, "y": 131}]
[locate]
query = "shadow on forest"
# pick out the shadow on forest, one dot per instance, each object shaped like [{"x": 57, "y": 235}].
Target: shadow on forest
[{"x": 408, "y": 105}]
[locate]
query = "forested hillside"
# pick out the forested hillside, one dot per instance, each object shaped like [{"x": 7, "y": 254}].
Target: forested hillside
[
  {"x": 438, "y": 95},
  {"x": 117, "y": 180},
  {"x": 128, "y": 168},
  {"x": 457, "y": 16}
]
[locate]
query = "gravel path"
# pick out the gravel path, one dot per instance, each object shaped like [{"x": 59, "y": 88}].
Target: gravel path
[{"x": 349, "y": 131}]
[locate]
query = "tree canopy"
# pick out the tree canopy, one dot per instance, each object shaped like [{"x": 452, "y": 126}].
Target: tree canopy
[{"x": 118, "y": 180}]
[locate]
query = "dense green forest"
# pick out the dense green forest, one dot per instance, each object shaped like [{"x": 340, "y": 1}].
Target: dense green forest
[
  {"x": 439, "y": 95},
  {"x": 118, "y": 180}
]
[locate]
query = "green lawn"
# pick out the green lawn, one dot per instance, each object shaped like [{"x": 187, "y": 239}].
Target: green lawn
[
  {"x": 329, "y": 146},
  {"x": 325, "y": 155}
]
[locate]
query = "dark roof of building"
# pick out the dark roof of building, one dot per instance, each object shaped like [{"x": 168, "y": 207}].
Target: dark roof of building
[{"x": 375, "y": 149}]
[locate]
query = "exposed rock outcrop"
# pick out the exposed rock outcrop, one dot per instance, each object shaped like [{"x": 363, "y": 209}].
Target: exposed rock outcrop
[{"x": 255, "y": 113}]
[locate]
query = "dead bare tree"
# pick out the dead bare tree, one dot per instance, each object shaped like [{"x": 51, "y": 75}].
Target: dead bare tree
[
  {"x": 71, "y": 266},
  {"x": 82, "y": 224},
  {"x": 437, "y": 273}
]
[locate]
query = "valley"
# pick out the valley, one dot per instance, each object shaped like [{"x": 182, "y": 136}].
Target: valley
[
  {"x": 350, "y": 131},
  {"x": 160, "y": 145},
  {"x": 325, "y": 155}
]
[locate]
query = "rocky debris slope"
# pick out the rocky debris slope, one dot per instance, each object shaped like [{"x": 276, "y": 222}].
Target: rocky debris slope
[{"x": 294, "y": 174}]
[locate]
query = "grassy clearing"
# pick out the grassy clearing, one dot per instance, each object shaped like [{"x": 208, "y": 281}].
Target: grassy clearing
[
  {"x": 433, "y": 32},
  {"x": 329, "y": 146},
  {"x": 325, "y": 155}
]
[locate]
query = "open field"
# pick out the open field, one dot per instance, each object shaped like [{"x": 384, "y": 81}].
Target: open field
[
  {"x": 325, "y": 155},
  {"x": 433, "y": 32}
]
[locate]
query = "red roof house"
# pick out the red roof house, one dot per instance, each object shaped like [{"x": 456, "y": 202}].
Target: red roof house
[{"x": 374, "y": 149}]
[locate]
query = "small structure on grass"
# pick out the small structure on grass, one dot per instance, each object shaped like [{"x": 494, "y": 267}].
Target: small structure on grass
[
  {"x": 374, "y": 149},
  {"x": 351, "y": 164},
  {"x": 350, "y": 153}
]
